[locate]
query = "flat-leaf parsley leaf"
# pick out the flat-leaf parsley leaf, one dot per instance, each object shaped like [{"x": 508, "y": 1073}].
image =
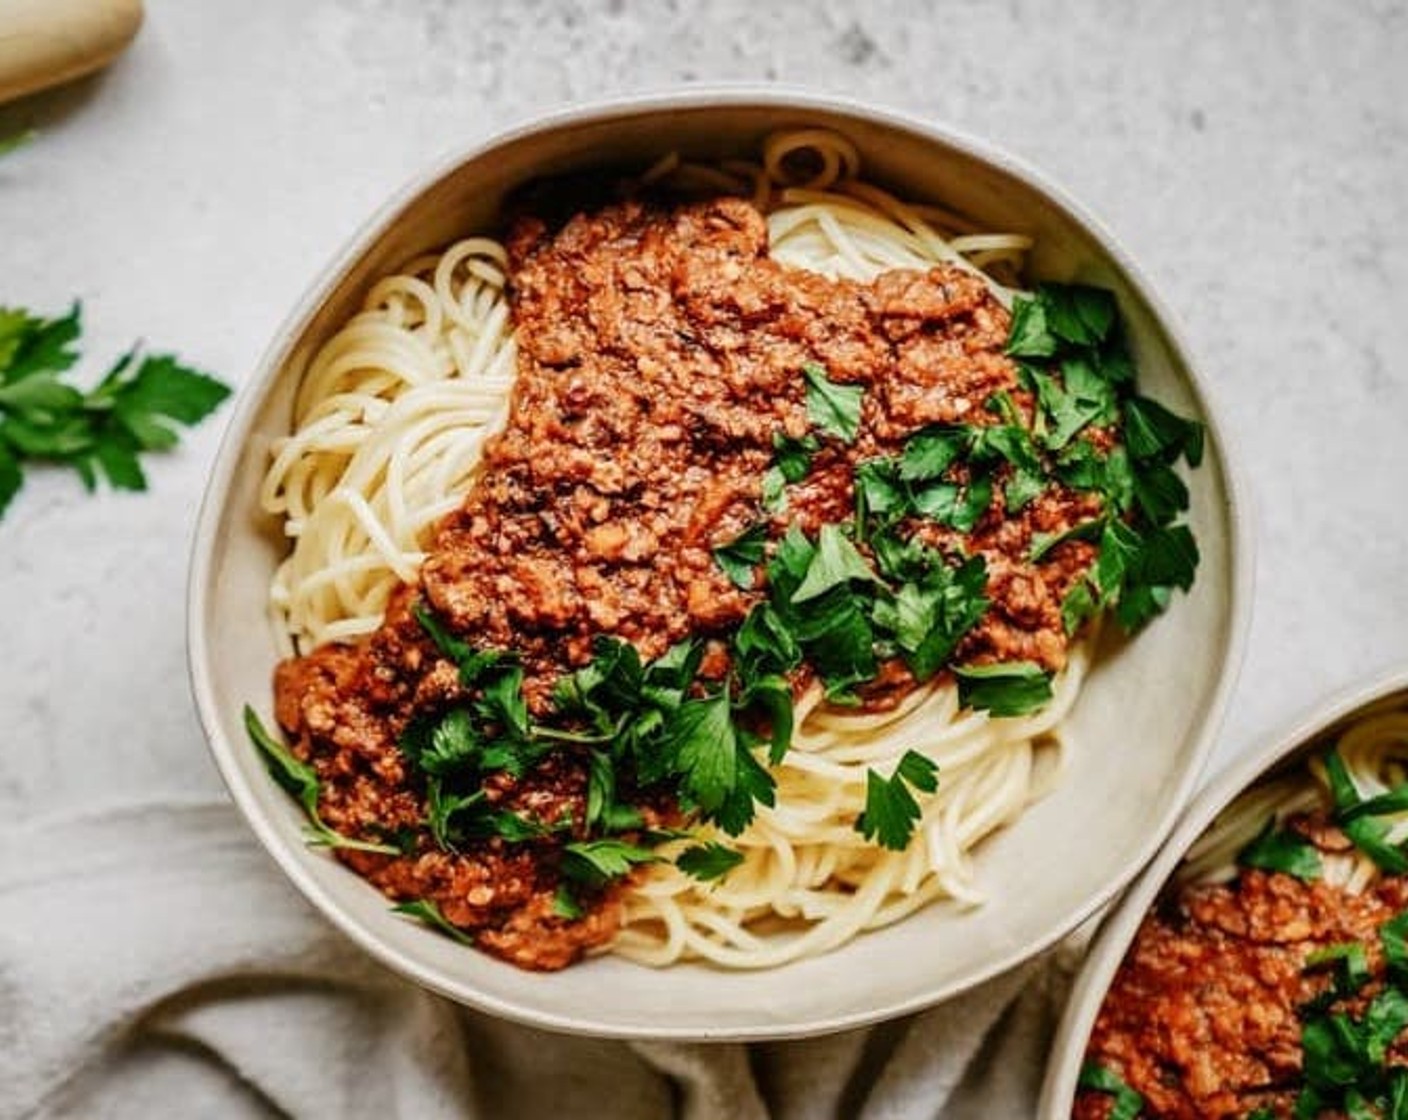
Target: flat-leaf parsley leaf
[
  {"x": 740, "y": 556},
  {"x": 103, "y": 431},
  {"x": 1009, "y": 688},
  {"x": 832, "y": 407},
  {"x": 707, "y": 862},
  {"x": 1275, "y": 849},
  {"x": 890, "y": 809}
]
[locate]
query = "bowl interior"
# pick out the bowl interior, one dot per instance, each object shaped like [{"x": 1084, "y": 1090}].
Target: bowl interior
[
  {"x": 1284, "y": 751},
  {"x": 1141, "y": 731}
]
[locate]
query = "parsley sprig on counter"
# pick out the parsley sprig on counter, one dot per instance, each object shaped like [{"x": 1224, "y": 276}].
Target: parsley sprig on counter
[{"x": 102, "y": 432}]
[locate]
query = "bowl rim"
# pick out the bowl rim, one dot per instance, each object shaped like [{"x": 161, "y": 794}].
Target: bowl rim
[
  {"x": 1117, "y": 930},
  {"x": 252, "y": 395}
]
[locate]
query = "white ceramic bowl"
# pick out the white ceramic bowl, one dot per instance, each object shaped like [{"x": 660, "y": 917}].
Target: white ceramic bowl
[
  {"x": 1143, "y": 727},
  {"x": 1282, "y": 751}
]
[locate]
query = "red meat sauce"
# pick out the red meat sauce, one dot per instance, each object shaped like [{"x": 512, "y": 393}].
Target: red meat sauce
[
  {"x": 660, "y": 349},
  {"x": 1203, "y": 1017}
]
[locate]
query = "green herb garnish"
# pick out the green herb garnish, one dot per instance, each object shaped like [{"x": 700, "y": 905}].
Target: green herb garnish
[
  {"x": 1343, "y": 1058},
  {"x": 301, "y": 780},
  {"x": 1350, "y": 961},
  {"x": 1074, "y": 359},
  {"x": 604, "y": 812},
  {"x": 890, "y": 809},
  {"x": 1359, "y": 819},
  {"x": 1393, "y": 935},
  {"x": 793, "y": 457},
  {"x": 429, "y": 913},
  {"x": 703, "y": 740},
  {"x": 1009, "y": 688},
  {"x": 594, "y": 863},
  {"x": 742, "y": 555},
  {"x": 1276, "y": 849},
  {"x": 774, "y": 490},
  {"x": 565, "y": 904},
  {"x": 1100, "y": 1079},
  {"x": 101, "y": 432},
  {"x": 833, "y": 408},
  {"x": 834, "y": 562},
  {"x": 707, "y": 862},
  {"x": 441, "y": 805}
]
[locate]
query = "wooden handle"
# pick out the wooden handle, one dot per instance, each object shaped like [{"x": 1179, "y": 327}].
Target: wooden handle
[{"x": 45, "y": 42}]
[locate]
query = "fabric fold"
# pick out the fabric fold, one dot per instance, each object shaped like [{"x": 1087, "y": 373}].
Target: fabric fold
[{"x": 152, "y": 954}]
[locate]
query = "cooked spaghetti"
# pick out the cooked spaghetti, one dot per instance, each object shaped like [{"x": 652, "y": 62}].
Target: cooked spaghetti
[
  {"x": 1272, "y": 977},
  {"x": 672, "y": 524}
]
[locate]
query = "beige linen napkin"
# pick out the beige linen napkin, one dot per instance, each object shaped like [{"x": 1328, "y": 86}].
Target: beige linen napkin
[{"x": 154, "y": 963}]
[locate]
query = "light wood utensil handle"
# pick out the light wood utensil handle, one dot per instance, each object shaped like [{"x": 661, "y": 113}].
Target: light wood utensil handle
[{"x": 45, "y": 42}]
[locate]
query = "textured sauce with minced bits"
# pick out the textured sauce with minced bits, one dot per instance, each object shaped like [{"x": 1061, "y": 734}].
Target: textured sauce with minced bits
[
  {"x": 1204, "y": 1017},
  {"x": 659, "y": 352}
]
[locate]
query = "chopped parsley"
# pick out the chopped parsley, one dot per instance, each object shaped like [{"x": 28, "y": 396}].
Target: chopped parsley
[
  {"x": 704, "y": 742},
  {"x": 102, "y": 432},
  {"x": 741, "y": 556},
  {"x": 931, "y": 452},
  {"x": 1344, "y": 1052},
  {"x": 833, "y": 408},
  {"x": 707, "y": 862},
  {"x": 891, "y": 811},
  {"x": 774, "y": 490},
  {"x": 793, "y": 457},
  {"x": 1278, "y": 849},
  {"x": 429, "y": 913},
  {"x": 603, "y": 809},
  {"x": 1029, "y": 336},
  {"x": 1070, "y": 344},
  {"x": 1359, "y": 818},
  {"x": 594, "y": 863},
  {"x": 1349, "y": 961},
  {"x": 1393, "y": 936},
  {"x": 441, "y": 805},
  {"x": 1127, "y": 1105},
  {"x": 833, "y": 563},
  {"x": 299, "y": 779},
  {"x": 1008, "y": 688},
  {"x": 565, "y": 904},
  {"x": 1343, "y": 1060}
]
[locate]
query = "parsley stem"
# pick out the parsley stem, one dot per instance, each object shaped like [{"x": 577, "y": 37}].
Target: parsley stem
[
  {"x": 322, "y": 836},
  {"x": 590, "y": 738}
]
